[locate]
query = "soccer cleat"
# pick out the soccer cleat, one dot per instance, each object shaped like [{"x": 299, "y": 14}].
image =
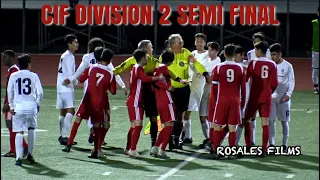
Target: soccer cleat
[
  {"x": 316, "y": 91},
  {"x": 9, "y": 154},
  {"x": 25, "y": 152},
  {"x": 179, "y": 146},
  {"x": 101, "y": 154},
  {"x": 162, "y": 154},
  {"x": 30, "y": 159},
  {"x": 93, "y": 155},
  {"x": 214, "y": 155},
  {"x": 204, "y": 143},
  {"x": 187, "y": 141},
  {"x": 154, "y": 151},
  {"x": 67, "y": 148},
  {"x": 133, "y": 153},
  {"x": 126, "y": 152},
  {"x": 18, "y": 162},
  {"x": 285, "y": 148},
  {"x": 171, "y": 145}
]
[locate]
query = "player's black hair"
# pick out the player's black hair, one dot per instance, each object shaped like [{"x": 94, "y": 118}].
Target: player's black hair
[
  {"x": 259, "y": 35},
  {"x": 24, "y": 60},
  {"x": 167, "y": 57},
  {"x": 201, "y": 35},
  {"x": 97, "y": 53},
  {"x": 93, "y": 43},
  {"x": 239, "y": 50},
  {"x": 139, "y": 54},
  {"x": 69, "y": 39},
  {"x": 10, "y": 53},
  {"x": 263, "y": 46},
  {"x": 222, "y": 57},
  {"x": 214, "y": 45},
  {"x": 276, "y": 47},
  {"x": 229, "y": 50},
  {"x": 107, "y": 55}
]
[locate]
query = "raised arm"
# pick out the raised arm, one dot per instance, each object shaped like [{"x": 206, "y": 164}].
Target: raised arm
[
  {"x": 82, "y": 67},
  {"x": 124, "y": 66}
]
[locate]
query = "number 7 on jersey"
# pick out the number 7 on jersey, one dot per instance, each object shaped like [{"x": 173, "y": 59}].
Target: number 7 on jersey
[{"x": 99, "y": 76}]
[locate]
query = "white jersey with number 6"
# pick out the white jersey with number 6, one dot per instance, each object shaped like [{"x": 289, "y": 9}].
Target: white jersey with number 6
[
  {"x": 66, "y": 69},
  {"x": 24, "y": 92}
]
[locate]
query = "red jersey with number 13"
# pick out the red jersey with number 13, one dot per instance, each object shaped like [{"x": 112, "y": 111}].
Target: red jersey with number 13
[{"x": 100, "y": 79}]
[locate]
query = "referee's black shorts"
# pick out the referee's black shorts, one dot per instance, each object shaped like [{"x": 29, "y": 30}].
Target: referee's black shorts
[
  {"x": 149, "y": 100},
  {"x": 181, "y": 98}
]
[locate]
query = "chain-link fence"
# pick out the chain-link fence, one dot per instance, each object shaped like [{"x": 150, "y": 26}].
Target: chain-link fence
[{"x": 24, "y": 31}]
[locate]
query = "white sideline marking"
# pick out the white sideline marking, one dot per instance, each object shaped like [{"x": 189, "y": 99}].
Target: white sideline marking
[
  {"x": 228, "y": 175},
  {"x": 155, "y": 175},
  {"x": 5, "y": 132},
  {"x": 181, "y": 165},
  {"x": 44, "y": 172},
  {"x": 106, "y": 173},
  {"x": 290, "y": 176}
]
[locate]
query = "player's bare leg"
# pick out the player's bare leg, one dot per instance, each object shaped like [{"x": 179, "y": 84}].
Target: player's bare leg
[
  {"x": 187, "y": 139},
  {"x": 129, "y": 135},
  {"x": 265, "y": 134},
  {"x": 216, "y": 141},
  {"x": 205, "y": 130},
  {"x": 97, "y": 141},
  {"x": 135, "y": 138},
  {"x": 73, "y": 134},
  {"x": 162, "y": 140},
  {"x": 153, "y": 129}
]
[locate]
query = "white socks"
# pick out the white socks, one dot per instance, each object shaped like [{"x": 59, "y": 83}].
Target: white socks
[
  {"x": 90, "y": 125},
  {"x": 285, "y": 132},
  {"x": 238, "y": 134},
  {"x": 19, "y": 148},
  {"x": 253, "y": 124},
  {"x": 187, "y": 128},
  {"x": 67, "y": 125},
  {"x": 61, "y": 122},
  {"x": 31, "y": 140},
  {"x": 272, "y": 131},
  {"x": 205, "y": 129}
]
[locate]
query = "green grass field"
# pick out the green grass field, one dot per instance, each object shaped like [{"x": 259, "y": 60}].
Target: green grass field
[{"x": 189, "y": 163}]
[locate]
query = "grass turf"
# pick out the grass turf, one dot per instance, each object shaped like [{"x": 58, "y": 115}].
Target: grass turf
[{"x": 53, "y": 163}]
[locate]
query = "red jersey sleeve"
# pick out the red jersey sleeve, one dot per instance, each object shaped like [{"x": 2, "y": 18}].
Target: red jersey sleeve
[
  {"x": 84, "y": 76},
  {"x": 113, "y": 86},
  {"x": 12, "y": 70},
  {"x": 166, "y": 83},
  {"x": 243, "y": 88},
  {"x": 274, "y": 82},
  {"x": 249, "y": 70},
  {"x": 142, "y": 75}
]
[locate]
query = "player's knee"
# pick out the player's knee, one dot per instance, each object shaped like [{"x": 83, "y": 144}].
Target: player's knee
[
  {"x": 232, "y": 128},
  {"x": 78, "y": 120},
  {"x": 168, "y": 123},
  {"x": 187, "y": 115},
  {"x": 217, "y": 127},
  {"x": 106, "y": 125},
  {"x": 264, "y": 121},
  {"x": 70, "y": 110},
  {"x": 138, "y": 123},
  {"x": 63, "y": 112}
]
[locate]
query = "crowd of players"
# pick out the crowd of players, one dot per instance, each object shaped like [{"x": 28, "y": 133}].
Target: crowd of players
[{"x": 225, "y": 89}]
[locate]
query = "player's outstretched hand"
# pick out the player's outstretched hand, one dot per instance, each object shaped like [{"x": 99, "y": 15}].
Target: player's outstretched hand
[
  {"x": 161, "y": 76},
  {"x": 192, "y": 59},
  {"x": 285, "y": 98},
  {"x": 184, "y": 81},
  {"x": 5, "y": 108},
  {"x": 208, "y": 79},
  {"x": 66, "y": 82},
  {"x": 171, "y": 88},
  {"x": 125, "y": 91}
]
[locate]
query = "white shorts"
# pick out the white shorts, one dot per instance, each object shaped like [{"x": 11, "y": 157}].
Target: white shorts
[
  {"x": 315, "y": 59},
  {"x": 65, "y": 100},
  {"x": 203, "y": 111},
  {"x": 22, "y": 122},
  {"x": 194, "y": 101},
  {"x": 280, "y": 110}
]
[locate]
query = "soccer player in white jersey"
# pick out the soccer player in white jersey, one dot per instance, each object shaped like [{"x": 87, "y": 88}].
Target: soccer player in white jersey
[
  {"x": 257, "y": 37},
  {"x": 65, "y": 92},
  {"x": 281, "y": 96},
  {"x": 24, "y": 94},
  {"x": 196, "y": 86}
]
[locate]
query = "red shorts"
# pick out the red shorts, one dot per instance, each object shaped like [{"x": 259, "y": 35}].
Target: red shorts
[
  {"x": 83, "y": 111},
  {"x": 135, "y": 113},
  {"x": 226, "y": 114},
  {"x": 167, "y": 113},
  {"x": 263, "y": 108},
  {"x": 8, "y": 116},
  {"x": 211, "y": 108}
]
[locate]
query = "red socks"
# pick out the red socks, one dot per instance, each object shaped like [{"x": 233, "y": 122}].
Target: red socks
[
  {"x": 129, "y": 138},
  {"x": 247, "y": 133},
  {"x": 135, "y": 137},
  {"x": 216, "y": 140},
  {"x": 265, "y": 137},
  {"x": 73, "y": 133},
  {"x": 232, "y": 139},
  {"x": 211, "y": 135},
  {"x": 166, "y": 136}
]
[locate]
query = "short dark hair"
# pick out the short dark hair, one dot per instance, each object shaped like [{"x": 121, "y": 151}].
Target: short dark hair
[
  {"x": 214, "y": 45},
  {"x": 263, "y": 46},
  {"x": 97, "y": 53},
  {"x": 139, "y": 54},
  {"x": 107, "y": 55},
  {"x": 276, "y": 47},
  {"x": 10, "y": 53},
  {"x": 70, "y": 38},
  {"x": 24, "y": 60},
  {"x": 93, "y": 43},
  {"x": 200, "y": 35},
  {"x": 229, "y": 49},
  {"x": 167, "y": 56},
  {"x": 222, "y": 57},
  {"x": 259, "y": 35},
  {"x": 239, "y": 50}
]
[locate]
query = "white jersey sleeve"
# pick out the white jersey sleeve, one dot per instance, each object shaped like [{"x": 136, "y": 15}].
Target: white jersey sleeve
[
  {"x": 66, "y": 70},
  {"x": 291, "y": 80},
  {"x": 85, "y": 62},
  {"x": 118, "y": 78},
  {"x": 39, "y": 90},
  {"x": 286, "y": 80}
]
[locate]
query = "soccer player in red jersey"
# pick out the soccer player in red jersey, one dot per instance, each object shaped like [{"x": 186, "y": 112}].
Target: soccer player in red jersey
[
  {"x": 231, "y": 80},
  {"x": 135, "y": 100},
  {"x": 262, "y": 73},
  {"x": 164, "y": 104},
  {"x": 100, "y": 79},
  {"x": 7, "y": 59}
]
